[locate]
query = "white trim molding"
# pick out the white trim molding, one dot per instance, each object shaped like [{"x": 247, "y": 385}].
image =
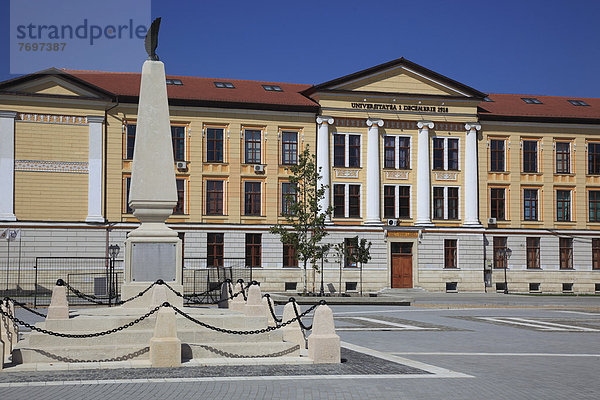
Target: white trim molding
[
  {"x": 7, "y": 165},
  {"x": 323, "y": 162}
]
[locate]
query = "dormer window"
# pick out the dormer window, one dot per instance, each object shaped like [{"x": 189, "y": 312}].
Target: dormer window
[
  {"x": 578, "y": 102},
  {"x": 488, "y": 100},
  {"x": 272, "y": 88},
  {"x": 531, "y": 100},
  {"x": 227, "y": 85},
  {"x": 176, "y": 82}
]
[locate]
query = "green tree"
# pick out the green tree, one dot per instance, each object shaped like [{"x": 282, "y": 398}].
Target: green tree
[
  {"x": 305, "y": 221},
  {"x": 361, "y": 255}
]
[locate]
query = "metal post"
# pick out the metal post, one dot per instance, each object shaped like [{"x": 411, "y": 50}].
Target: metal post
[{"x": 322, "y": 291}]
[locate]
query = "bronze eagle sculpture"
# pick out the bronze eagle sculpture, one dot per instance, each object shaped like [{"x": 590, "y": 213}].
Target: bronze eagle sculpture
[{"x": 151, "y": 41}]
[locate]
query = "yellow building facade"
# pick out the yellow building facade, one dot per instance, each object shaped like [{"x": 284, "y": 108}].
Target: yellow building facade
[{"x": 440, "y": 177}]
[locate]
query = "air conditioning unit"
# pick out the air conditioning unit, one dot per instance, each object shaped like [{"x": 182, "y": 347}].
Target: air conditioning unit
[
  {"x": 181, "y": 165},
  {"x": 492, "y": 221},
  {"x": 392, "y": 222},
  {"x": 259, "y": 169}
]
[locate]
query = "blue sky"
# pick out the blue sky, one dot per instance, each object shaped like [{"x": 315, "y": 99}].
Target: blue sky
[{"x": 525, "y": 47}]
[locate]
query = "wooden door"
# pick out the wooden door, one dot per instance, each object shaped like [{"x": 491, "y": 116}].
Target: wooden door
[{"x": 402, "y": 265}]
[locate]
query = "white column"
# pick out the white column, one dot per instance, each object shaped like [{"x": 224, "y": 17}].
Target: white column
[
  {"x": 423, "y": 175},
  {"x": 471, "y": 176},
  {"x": 95, "y": 169},
  {"x": 7, "y": 165},
  {"x": 323, "y": 161},
  {"x": 373, "y": 173}
]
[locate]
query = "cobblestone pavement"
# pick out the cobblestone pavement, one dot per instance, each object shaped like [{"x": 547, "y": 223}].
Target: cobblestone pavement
[{"x": 495, "y": 358}]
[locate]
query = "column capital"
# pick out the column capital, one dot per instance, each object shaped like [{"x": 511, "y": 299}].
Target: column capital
[
  {"x": 425, "y": 124},
  {"x": 374, "y": 121},
  {"x": 322, "y": 119},
  {"x": 95, "y": 119},
  {"x": 8, "y": 114},
  {"x": 473, "y": 126}
]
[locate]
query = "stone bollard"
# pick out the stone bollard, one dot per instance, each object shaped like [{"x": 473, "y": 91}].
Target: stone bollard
[
  {"x": 254, "y": 306},
  {"x": 4, "y": 339},
  {"x": 159, "y": 295},
  {"x": 323, "y": 343},
  {"x": 238, "y": 303},
  {"x": 59, "y": 307},
  {"x": 270, "y": 320},
  {"x": 14, "y": 328},
  {"x": 165, "y": 347},
  {"x": 224, "y": 299},
  {"x": 292, "y": 332},
  {"x": 7, "y": 331}
]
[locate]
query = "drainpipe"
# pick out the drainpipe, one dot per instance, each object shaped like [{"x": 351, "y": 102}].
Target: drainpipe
[{"x": 106, "y": 173}]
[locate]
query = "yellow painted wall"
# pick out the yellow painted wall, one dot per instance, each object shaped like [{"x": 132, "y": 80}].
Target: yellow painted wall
[{"x": 546, "y": 180}]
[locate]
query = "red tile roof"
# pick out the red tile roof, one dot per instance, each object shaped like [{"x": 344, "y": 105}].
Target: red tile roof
[
  {"x": 512, "y": 105},
  {"x": 201, "y": 89}
]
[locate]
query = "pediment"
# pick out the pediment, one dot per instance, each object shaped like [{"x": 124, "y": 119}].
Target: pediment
[
  {"x": 399, "y": 77},
  {"x": 52, "y": 85}
]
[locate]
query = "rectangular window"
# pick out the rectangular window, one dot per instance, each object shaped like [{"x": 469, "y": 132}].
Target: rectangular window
[
  {"x": 354, "y": 150},
  {"x": 449, "y": 253},
  {"x": 180, "y": 206},
  {"x": 499, "y": 249},
  {"x": 530, "y": 150},
  {"x": 130, "y": 141},
  {"x": 563, "y": 157},
  {"x": 288, "y": 196},
  {"x": 178, "y": 138},
  {"x": 530, "y": 204},
  {"x": 403, "y": 153},
  {"x": 252, "y": 145},
  {"x": 289, "y": 147},
  {"x": 438, "y": 153},
  {"x": 214, "y": 197},
  {"x": 594, "y": 205},
  {"x": 452, "y": 203},
  {"x": 438, "y": 202},
  {"x": 595, "y": 254},
  {"x": 452, "y": 154},
  {"x": 389, "y": 201},
  {"x": 404, "y": 201},
  {"x": 339, "y": 201},
  {"x": 389, "y": 151},
  {"x": 497, "y": 155},
  {"x": 253, "y": 250},
  {"x": 214, "y": 250},
  {"x": 593, "y": 158},
  {"x": 339, "y": 150},
  {"x": 214, "y": 145},
  {"x": 354, "y": 201},
  {"x": 290, "y": 259},
  {"x": 563, "y": 205},
  {"x": 533, "y": 253},
  {"x": 252, "y": 198},
  {"x": 128, "y": 210},
  {"x": 566, "y": 253},
  {"x": 350, "y": 246},
  {"x": 497, "y": 203}
]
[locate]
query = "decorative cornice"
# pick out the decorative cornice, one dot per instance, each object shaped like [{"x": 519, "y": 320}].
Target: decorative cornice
[
  {"x": 324, "y": 119},
  {"x": 473, "y": 126},
  {"x": 374, "y": 121},
  {"x": 425, "y": 124},
  {"x": 71, "y": 167},
  {"x": 53, "y": 119},
  {"x": 446, "y": 176}
]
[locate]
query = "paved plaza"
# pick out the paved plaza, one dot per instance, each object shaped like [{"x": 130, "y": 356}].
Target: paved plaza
[{"x": 460, "y": 346}]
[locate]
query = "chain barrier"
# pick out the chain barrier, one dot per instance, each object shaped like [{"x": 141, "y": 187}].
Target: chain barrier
[
  {"x": 241, "y": 282},
  {"x": 306, "y": 328},
  {"x": 269, "y": 302},
  {"x": 93, "y": 299},
  {"x": 190, "y": 300},
  {"x": 86, "y": 335},
  {"x": 25, "y": 307},
  {"x": 251, "y": 332}
]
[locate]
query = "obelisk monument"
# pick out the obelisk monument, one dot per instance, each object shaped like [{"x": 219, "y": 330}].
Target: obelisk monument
[{"x": 153, "y": 250}]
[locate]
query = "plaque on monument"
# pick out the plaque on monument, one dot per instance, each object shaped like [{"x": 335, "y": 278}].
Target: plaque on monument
[{"x": 152, "y": 261}]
